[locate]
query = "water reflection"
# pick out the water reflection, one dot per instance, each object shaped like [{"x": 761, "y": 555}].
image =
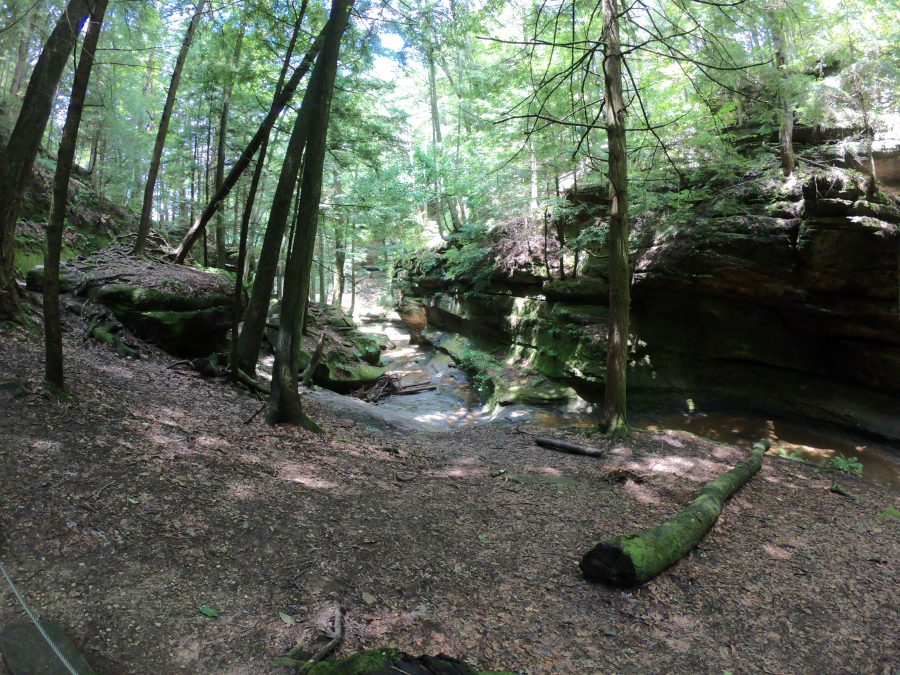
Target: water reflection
[
  {"x": 788, "y": 439},
  {"x": 455, "y": 404}
]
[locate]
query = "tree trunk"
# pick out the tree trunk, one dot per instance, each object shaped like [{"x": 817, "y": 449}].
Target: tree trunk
[
  {"x": 340, "y": 259},
  {"x": 284, "y": 403},
  {"x": 323, "y": 291},
  {"x": 22, "y": 54},
  {"x": 786, "y": 130},
  {"x": 438, "y": 140},
  {"x": 156, "y": 157},
  {"x": 340, "y": 253},
  {"x": 633, "y": 559},
  {"x": 352, "y": 273},
  {"x": 53, "y": 365},
  {"x": 265, "y": 127},
  {"x": 614, "y": 405},
  {"x": 221, "y": 254},
  {"x": 250, "y": 203},
  {"x": 24, "y": 142},
  {"x": 251, "y": 336}
]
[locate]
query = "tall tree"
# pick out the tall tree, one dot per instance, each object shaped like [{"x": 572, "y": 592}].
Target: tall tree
[
  {"x": 786, "y": 128},
  {"x": 65, "y": 158},
  {"x": 251, "y": 197},
  {"x": 614, "y": 402},
  {"x": 24, "y": 142},
  {"x": 222, "y": 147},
  {"x": 265, "y": 127},
  {"x": 284, "y": 403},
  {"x": 163, "y": 130}
]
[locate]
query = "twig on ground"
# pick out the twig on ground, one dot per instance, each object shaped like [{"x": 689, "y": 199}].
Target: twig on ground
[
  {"x": 100, "y": 491},
  {"x": 253, "y": 416}
]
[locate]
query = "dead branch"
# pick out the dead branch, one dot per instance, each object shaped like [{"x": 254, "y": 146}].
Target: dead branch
[{"x": 566, "y": 446}]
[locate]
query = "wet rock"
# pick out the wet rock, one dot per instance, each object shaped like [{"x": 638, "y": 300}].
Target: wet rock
[{"x": 415, "y": 318}]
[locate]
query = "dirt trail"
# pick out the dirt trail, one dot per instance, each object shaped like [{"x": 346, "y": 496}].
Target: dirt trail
[{"x": 124, "y": 511}]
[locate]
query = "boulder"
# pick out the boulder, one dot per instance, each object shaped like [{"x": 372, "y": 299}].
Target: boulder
[
  {"x": 186, "y": 311},
  {"x": 350, "y": 359},
  {"x": 415, "y": 318}
]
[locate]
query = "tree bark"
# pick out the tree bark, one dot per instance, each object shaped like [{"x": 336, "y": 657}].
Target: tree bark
[
  {"x": 438, "y": 140},
  {"x": 323, "y": 289},
  {"x": 221, "y": 254},
  {"x": 65, "y": 158},
  {"x": 340, "y": 253},
  {"x": 634, "y": 559},
  {"x": 571, "y": 448},
  {"x": 163, "y": 130},
  {"x": 284, "y": 403},
  {"x": 250, "y": 203},
  {"x": 251, "y": 336},
  {"x": 22, "y": 53},
  {"x": 614, "y": 404},
  {"x": 24, "y": 142},
  {"x": 265, "y": 127},
  {"x": 786, "y": 130}
]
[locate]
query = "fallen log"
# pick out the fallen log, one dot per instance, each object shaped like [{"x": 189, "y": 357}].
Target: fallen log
[
  {"x": 571, "y": 448},
  {"x": 634, "y": 559},
  {"x": 415, "y": 389}
]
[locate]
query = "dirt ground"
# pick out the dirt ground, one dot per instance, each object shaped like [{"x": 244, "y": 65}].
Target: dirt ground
[{"x": 124, "y": 511}]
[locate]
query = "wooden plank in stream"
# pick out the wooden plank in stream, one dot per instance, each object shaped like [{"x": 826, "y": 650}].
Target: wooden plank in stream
[{"x": 25, "y": 652}]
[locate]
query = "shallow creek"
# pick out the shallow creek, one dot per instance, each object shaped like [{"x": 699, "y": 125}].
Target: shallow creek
[{"x": 455, "y": 403}]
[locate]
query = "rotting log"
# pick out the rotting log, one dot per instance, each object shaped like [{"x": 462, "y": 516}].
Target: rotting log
[
  {"x": 566, "y": 446},
  {"x": 634, "y": 559}
]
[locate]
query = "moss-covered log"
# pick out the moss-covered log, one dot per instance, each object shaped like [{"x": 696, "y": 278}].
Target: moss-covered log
[{"x": 633, "y": 559}]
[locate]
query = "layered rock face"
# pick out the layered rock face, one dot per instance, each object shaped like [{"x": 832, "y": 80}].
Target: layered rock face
[
  {"x": 786, "y": 303},
  {"x": 184, "y": 310}
]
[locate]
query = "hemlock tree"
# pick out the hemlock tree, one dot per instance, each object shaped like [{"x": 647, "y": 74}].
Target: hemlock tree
[
  {"x": 163, "y": 130},
  {"x": 285, "y": 404},
  {"x": 53, "y": 366},
  {"x": 24, "y": 142},
  {"x": 614, "y": 401}
]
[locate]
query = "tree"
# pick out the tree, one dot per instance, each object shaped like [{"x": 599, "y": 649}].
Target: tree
[
  {"x": 251, "y": 199},
  {"x": 614, "y": 401},
  {"x": 25, "y": 140},
  {"x": 220, "y": 151},
  {"x": 284, "y": 403},
  {"x": 163, "y": 130},
  {"x": 262, "y": 133},
  {"x": 53, "y": 367}
]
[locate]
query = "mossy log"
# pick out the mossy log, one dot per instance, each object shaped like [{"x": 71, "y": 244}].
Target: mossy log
[
  {"x": 387, "y": 662},
  {"x": 633, "y": 559}
]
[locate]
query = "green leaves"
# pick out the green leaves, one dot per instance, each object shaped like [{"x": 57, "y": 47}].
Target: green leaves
[{"x": 209, "y": 611}]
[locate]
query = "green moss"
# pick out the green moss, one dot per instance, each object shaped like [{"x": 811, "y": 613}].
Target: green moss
[
  {"x": 388, "y": 661},
  {"x": 362, "y": 663},
  {"x": 137, "y": 298}
]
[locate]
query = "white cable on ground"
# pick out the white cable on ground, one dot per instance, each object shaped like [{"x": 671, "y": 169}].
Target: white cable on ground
[{"x": 15, "y": 591}]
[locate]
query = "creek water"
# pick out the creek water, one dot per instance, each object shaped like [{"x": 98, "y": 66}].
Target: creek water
[{"x": 454, "y": 403}]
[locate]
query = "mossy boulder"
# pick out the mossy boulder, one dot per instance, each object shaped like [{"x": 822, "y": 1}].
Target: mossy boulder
[
  {"x": 34, "y": 280},
  {"x": 350, "y": 358},
  {"x": 184, "y": 310},
  {"x": 587, "y": 290}
]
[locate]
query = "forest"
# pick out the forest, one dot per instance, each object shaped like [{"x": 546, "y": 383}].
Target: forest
[{"x": 449, "y": 336}]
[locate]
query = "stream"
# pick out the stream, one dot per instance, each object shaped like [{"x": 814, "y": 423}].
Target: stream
[{"x": 455, "y": 403}]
